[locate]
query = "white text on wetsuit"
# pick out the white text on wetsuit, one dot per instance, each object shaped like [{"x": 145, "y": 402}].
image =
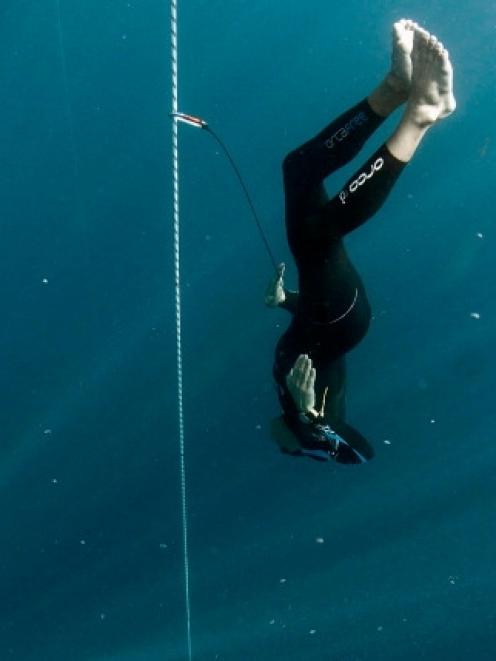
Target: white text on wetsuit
[
  {"x": 345, "y": 131},
  {"x": 361, "y": 179}
]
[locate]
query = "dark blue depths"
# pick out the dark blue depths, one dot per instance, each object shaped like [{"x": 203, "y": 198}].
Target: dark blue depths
[{"x": 288, "y": 558}]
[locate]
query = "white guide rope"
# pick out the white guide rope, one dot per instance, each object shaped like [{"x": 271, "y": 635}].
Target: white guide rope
[{"x": 177, "y": 278}]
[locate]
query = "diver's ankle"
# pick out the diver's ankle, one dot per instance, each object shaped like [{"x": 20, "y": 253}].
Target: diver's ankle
[
  {"x": 407, "y": 137},
  {"x": 386, "y": 97}
]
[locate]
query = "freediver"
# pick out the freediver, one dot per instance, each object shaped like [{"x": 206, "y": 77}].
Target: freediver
[{"x": 330, "y": 312}]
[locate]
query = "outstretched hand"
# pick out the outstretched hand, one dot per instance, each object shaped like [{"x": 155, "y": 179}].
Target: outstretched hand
[{"x": 274, "y": 294}]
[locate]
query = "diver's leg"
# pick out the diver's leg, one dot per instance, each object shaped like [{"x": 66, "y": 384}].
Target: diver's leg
[
  {"x": 307, "y": 166},
  {"x": 431, "y": 99}
]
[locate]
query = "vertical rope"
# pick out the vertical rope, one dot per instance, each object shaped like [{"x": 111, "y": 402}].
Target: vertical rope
[{"x": 177, "y": 278}]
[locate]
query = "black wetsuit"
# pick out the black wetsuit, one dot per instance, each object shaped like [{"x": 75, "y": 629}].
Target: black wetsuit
[{"x": 331, "y": 313}]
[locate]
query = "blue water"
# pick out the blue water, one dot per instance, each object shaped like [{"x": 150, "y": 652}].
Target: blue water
[{"x": 289, "y": 558}]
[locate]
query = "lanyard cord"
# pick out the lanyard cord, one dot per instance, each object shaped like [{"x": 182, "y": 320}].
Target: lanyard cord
[
  {"x": 247, "y": 195},
  {"x": 202, "y": 124}
]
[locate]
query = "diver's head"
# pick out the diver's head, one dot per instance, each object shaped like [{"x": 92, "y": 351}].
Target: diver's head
[
  {"x": 292, "y": 433},
  {"x": 287, "y": 431}
]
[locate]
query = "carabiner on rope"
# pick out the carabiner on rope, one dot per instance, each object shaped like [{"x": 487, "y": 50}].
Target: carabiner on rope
[{"x": 189, "y": 119}]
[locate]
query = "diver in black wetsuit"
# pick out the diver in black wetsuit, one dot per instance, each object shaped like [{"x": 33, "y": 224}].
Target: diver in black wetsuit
[{"x": 331, "y": 313}]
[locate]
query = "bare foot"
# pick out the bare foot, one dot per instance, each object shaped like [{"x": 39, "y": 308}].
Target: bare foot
[
  {"x": 395, "y": 88},
  {"x": 400, "y": 76},
  {"x": 431, "y": 96}
]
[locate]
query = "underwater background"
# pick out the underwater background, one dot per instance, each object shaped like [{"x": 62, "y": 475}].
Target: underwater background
[{"x": 289, "y": 558}]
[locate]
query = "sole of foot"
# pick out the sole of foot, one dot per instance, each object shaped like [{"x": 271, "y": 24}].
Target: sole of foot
[{"x": 431, "y": 96}]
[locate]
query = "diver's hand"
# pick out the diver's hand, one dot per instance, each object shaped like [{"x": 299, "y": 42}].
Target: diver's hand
[
  {"x": 301, "y": 384},
  {"x": 274, "y": 294}
]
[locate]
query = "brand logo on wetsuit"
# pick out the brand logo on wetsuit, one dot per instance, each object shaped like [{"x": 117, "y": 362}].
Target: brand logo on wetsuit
[
  {"x": 345, "y": 131},
  {"x": 361, "y": 179}
]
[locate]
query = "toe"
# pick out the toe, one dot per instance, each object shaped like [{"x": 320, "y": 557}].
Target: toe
[{"x": 421, "y": 39}]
